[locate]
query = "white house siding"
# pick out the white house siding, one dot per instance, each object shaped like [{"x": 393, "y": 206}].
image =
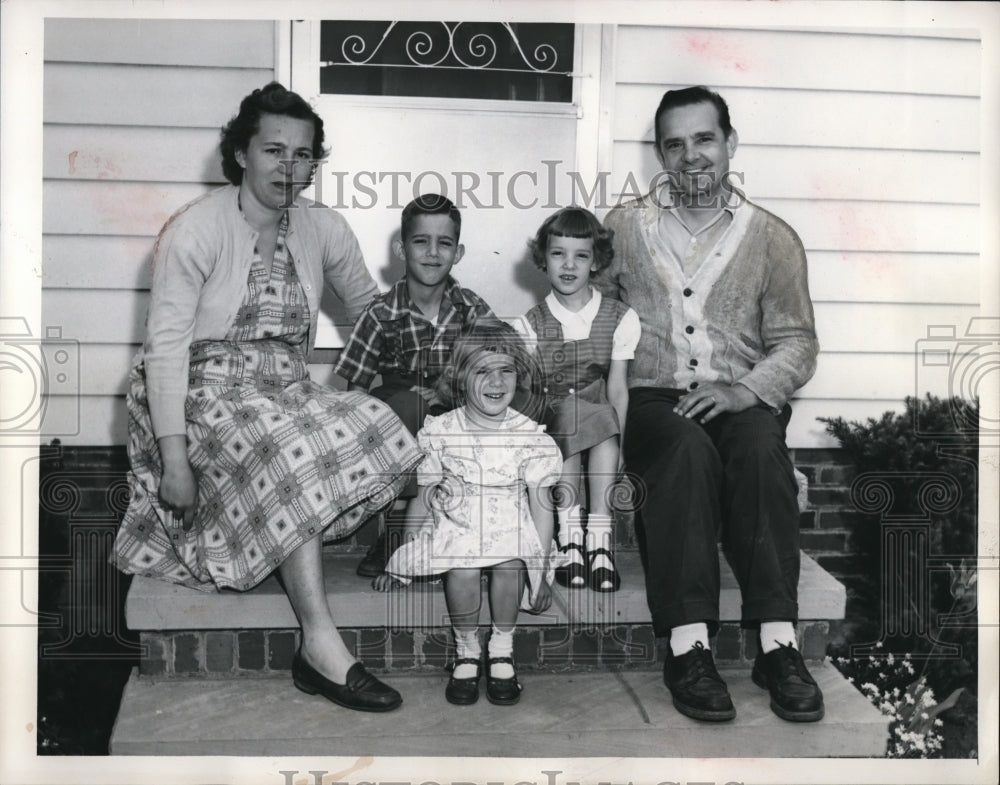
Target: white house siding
[
  {"x": 868, "y": 145},
  {"x": 132, "y": 112}
]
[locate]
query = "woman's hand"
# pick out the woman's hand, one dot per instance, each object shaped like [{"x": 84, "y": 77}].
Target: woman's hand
[
  {"x": 178, "y": 490},
  {"x": 709, "y": 401}
]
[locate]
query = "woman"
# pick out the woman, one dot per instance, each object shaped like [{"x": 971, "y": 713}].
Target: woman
[{"x": 240, "y": 464}]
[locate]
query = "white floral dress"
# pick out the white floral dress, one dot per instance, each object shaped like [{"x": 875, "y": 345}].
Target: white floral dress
[{"x": 480, "y": 513}]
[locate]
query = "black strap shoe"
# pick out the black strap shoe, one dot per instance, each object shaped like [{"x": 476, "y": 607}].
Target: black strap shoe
[
  {"x": 696, "y": 687},
  {"x": 503, "y": 692},
  {"x": 573, "y": 575},
  {"x": 464, "y": 692},
  {"x": 795, "y": 696},
  {"x": 361, "y": 692}
]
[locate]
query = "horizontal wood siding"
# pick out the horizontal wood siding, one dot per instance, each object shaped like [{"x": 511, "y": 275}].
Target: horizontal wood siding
[
  {"x": 132, "y": 113},
  {"x": 868, "y": 145}
]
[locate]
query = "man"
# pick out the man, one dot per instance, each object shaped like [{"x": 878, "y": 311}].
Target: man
[{"x": 727, "y": 337}]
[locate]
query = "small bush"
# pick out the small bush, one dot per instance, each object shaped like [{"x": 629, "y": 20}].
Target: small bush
[{"x": 919, "y": 467}]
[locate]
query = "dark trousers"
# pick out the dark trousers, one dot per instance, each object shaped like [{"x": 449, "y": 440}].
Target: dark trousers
[
  {"x": 410, "y": 407},
  {"x": 730, "y": 480}
]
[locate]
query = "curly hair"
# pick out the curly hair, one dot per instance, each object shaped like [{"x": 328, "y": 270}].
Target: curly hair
[
  {"x": 573, "y": 222},
  {"x": 492, "y": 336},
  {"x": 272, "y": 98}
]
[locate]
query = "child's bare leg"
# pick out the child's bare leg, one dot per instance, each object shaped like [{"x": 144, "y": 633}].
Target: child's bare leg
[
  {"x": 463, "y": 593},
  {"x": 602, "y": 469},
  {"x": 506, "y": 587},
  {"x": 568, "y": 515}
]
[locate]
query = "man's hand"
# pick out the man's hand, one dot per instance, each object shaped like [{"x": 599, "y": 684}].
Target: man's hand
[{"x": 709, "y": 401}]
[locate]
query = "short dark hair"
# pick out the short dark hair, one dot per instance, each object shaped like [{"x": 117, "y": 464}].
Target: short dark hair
[
  {"x": 688, "y": 96},
  {"x": 574, "y": 222},
  {"x": 429, "y": 204},
  {"x": 272, "y": 98}
]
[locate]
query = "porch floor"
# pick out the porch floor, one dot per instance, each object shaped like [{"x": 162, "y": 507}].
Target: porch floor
[{"x": 572, "y": 714}]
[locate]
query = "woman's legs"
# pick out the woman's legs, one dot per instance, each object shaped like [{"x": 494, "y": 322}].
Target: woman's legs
[{"x": 302, "y": 576}]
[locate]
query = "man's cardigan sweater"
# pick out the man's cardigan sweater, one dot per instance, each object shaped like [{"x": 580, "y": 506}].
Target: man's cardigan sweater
[{"x": 744, "y": 316}]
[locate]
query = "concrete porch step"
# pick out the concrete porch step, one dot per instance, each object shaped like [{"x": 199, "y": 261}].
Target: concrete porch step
[
  {"x": 609, "y": 714},
  {"x": 158, "y": 605}
]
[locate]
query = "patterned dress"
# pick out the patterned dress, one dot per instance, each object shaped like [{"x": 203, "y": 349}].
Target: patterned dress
[
  {"x": 279, "y": 459},
  {"x": 480, "y": 507}
]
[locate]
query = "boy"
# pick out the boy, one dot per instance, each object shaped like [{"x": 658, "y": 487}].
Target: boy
[{"x": 406, "y": 334}]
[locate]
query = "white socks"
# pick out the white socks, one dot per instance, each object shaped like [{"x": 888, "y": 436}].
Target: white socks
[
  {"x": 501, "y": 645},
  {"x": 773, "y": 633},
  {"x": 466, "y": 646},
  {"x": 599, "y": 536},
  {"x": 570, "y": 526},
  {"x": 683, "y": 638}
]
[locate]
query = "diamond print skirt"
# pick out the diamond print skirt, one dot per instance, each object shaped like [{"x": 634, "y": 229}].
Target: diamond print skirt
[{"x": 277, "y": 464}]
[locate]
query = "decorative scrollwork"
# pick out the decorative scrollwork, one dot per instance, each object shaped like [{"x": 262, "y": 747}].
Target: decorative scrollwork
[{"x": 478, "y": 52}]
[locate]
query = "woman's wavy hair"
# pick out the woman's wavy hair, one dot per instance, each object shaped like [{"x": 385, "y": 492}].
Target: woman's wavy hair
[
  {"x": 573, "y": 222},
  {"x": 492, "y": 336},
  {"x": 272, "y": 98}
]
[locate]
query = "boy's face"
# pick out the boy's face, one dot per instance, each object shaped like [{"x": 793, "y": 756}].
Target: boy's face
[{"x": 430, "y": 250}]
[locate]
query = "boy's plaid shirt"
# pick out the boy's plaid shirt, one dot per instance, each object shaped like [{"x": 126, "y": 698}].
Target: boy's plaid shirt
[{"x": 393, "y": 336}]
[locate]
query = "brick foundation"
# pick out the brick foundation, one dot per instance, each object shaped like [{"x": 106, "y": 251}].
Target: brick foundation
[{"x": 257, "y": 653}]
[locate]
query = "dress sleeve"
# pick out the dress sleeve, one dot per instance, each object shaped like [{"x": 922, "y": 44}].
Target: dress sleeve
[
  {"x": 344, "y": 267},
  {"x": 545, "y": 466},
  {"x": 430, "y": 470},
  {"x": 626, "y": 336},
  {"x": 181, "y": 265}
]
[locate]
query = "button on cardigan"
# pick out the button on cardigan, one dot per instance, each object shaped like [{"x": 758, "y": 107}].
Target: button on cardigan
[{"x": 744, "y": 315}]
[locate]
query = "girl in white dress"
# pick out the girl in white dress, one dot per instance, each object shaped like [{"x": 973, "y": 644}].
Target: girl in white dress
[{"x": 484, "y": 504}]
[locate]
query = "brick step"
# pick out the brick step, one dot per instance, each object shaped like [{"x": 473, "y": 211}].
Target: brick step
[
  {"x": 233, "y": 634},
  {"x": 623, "y": 714}
]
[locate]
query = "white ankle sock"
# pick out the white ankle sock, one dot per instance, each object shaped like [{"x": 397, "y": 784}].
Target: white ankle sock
[
  {"x": 683, "y": 638},
  {"x": 466, "y": 646},
  {"x": 773, "y": 633},
  {"x": 570, "y": 526},
  {"x": 599, "y": 536},
  {"x": 501, "y": 645}
]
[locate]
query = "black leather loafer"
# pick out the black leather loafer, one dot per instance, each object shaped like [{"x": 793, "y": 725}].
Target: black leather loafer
[
  {"x": 795, "y": 696},
  {"x": 696, "y": 688},
  {"x": 362, "y": 692},
  {"x": 503, "y": 692},
  {"x": 464, "y": 692}
]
